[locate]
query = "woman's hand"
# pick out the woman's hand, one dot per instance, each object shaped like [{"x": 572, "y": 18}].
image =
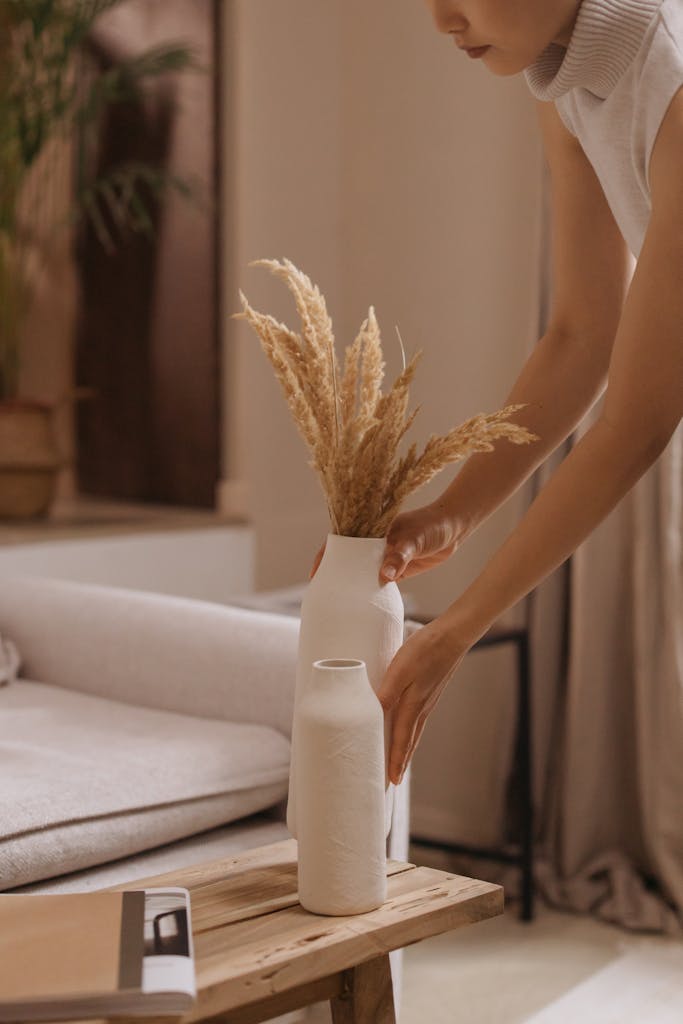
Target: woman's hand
[
  {"x": 418, "y": 541},
  {"x": 413, "y": 684}
]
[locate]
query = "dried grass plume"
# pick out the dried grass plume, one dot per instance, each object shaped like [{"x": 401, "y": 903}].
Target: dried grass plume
[{"x": 353, "y": 429}]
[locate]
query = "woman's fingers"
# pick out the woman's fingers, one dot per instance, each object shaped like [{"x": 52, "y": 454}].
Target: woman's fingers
[
  {"x": 417, "y": 541},
  {"x": 417, "y": 733},
  {"x": 403, "y": 726},
  {"x": 397, "y": 677},
  {"x": 425, "y": 562},
  {"x": 413, "y": 684},
  {"x": 397, "y": 559},
  {"x": 399, "y": 694},
  {"x": 403, "y": 543}
]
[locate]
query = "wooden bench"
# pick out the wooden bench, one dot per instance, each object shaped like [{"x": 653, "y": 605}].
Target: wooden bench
[{"x": 259, "y": 954}]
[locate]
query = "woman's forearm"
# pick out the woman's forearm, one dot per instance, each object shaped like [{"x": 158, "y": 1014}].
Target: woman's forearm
[
  {"x": 559, "y": 383},
  {"x": 591, "y": 480}
]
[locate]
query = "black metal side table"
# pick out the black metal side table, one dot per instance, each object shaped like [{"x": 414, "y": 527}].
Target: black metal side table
[{"x": 524, "y": 856}]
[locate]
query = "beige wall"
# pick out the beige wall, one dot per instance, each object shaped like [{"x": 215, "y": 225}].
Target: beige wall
[
  {"x": 284, "y": 183},
  {"x": 396, "y": 172}
]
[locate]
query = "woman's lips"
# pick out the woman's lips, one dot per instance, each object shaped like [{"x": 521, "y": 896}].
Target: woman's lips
[{"x": 477, "y": 51}]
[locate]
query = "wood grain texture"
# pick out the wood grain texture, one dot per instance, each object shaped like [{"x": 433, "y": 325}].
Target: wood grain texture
[
  {"x": 243, "y": 887},
  {"x": 368, "y": 997},
  {"x": 284, "y": 1002},
  {"x": 256, "y": 958},
  {"x": 198, "y": 875},
  {"x": 258, "y": 953}
]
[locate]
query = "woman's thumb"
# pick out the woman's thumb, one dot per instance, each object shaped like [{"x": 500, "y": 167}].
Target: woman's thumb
[{"x": 397, "y": 557}]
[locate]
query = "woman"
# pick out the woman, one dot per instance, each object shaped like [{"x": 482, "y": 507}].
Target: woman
[{"x": 608, "y": 78}]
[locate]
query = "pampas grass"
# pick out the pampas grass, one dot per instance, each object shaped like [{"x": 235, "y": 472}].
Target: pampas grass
[{"x": 352, "y": 428}]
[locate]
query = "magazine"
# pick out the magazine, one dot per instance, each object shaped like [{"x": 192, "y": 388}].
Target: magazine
[{"x": 99, "y": 954}]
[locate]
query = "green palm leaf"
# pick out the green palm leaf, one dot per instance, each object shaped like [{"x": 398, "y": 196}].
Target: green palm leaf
[{"x": 43, "y": 96}]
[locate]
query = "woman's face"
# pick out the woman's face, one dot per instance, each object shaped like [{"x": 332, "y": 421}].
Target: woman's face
[{"x": 515, "y": 31}]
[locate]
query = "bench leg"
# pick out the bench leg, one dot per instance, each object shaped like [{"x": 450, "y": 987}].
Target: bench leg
[{"x": 368, "y": 997}]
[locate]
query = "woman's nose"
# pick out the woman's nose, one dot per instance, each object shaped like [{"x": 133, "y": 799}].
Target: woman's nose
[{"x": 447, "y": 18}]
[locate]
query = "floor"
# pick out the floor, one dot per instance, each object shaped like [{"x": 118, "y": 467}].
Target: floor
[{"x": 562, "y": 968}]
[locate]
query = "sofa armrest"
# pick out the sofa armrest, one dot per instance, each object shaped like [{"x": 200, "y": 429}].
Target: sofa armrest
[{"x": 152, "y": 650}]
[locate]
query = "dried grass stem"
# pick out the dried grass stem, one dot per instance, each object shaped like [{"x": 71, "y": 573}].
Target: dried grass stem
[{"x": 352, "y": 429}]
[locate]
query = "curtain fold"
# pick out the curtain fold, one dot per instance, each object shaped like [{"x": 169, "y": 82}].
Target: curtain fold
[
  {"x": 613, "y": 815},
  {"x": 607, "y": 660},
  {"x": 658, "y": 663}
]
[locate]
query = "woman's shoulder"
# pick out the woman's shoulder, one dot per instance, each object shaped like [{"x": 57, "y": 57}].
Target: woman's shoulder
[
  {"x": 671, "y": 23},
  {"x": 671, "y": 14},
  {"x": 661, "y": 61}
]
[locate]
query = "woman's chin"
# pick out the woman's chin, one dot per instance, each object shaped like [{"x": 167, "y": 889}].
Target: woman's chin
[{"x": 502, "y": 64}]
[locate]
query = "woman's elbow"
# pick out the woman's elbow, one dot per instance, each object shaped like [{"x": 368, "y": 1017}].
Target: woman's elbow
[{"x": 643, "y": 442}]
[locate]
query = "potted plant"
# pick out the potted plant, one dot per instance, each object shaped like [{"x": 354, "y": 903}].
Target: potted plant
[{"x": 45, "y": 98}]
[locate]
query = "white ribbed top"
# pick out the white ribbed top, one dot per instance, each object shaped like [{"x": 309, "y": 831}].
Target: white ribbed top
[
  {"x": 612, "y": 87},
  {"x": 606, "y": 37}
]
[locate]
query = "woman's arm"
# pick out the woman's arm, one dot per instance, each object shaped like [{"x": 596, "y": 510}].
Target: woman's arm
[
  {"x": 564, "y": 375},
  {"x": 643, "y": 405}
]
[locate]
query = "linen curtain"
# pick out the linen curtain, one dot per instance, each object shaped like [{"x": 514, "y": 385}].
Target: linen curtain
[
  {"x": 607, "y": 664},
  {"x": 613, "y": 809},
  {"x": 608, "y": 700}
]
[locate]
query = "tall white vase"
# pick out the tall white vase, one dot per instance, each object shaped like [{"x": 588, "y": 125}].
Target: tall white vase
[
  {"x": 347, "y": 614},
  {"x": 340, "y": 799}
]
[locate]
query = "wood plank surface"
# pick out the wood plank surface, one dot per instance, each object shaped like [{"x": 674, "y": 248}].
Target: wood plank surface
[
  {"x": 368, "y": 997},
  {"x": 282, "y": 1002},
  {"x": 240, "y": 888},
  {"x": 197, "y": 875},
  {"x": 255, "y": 959},
  {"x": 256, "y": 948}
]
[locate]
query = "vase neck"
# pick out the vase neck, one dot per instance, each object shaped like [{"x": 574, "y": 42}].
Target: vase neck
[
  {"x": 358, "y": 556},
  {"x": 335, "y": 672}
]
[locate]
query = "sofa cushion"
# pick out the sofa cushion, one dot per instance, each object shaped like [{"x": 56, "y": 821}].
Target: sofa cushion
[
  {"x": 84, "y": 779},
  {"x": 225, "y": 841}
]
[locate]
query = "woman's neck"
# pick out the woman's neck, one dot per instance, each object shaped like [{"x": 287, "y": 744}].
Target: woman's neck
[{"x": 564, "y": 35}]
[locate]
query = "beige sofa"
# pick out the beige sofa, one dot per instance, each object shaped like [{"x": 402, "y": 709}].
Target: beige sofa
[{"x": 141, "y": 733}]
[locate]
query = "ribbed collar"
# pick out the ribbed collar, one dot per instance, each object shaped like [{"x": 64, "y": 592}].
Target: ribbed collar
[{"x": 607, "y": 35}]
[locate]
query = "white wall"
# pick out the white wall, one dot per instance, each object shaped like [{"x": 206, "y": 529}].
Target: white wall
[
  {"x": 283, "y": 169},
  {"x": 441, "y": 224},
  {"x": 397, "y": 172}
]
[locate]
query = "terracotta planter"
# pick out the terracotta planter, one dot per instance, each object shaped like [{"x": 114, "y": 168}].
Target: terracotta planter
[{"x": 28, "y": 459}]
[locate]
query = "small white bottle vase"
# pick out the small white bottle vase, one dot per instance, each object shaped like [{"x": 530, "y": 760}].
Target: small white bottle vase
[
  {"x": 347, "y": 614},
  {"x": 340, "y": 798}
]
